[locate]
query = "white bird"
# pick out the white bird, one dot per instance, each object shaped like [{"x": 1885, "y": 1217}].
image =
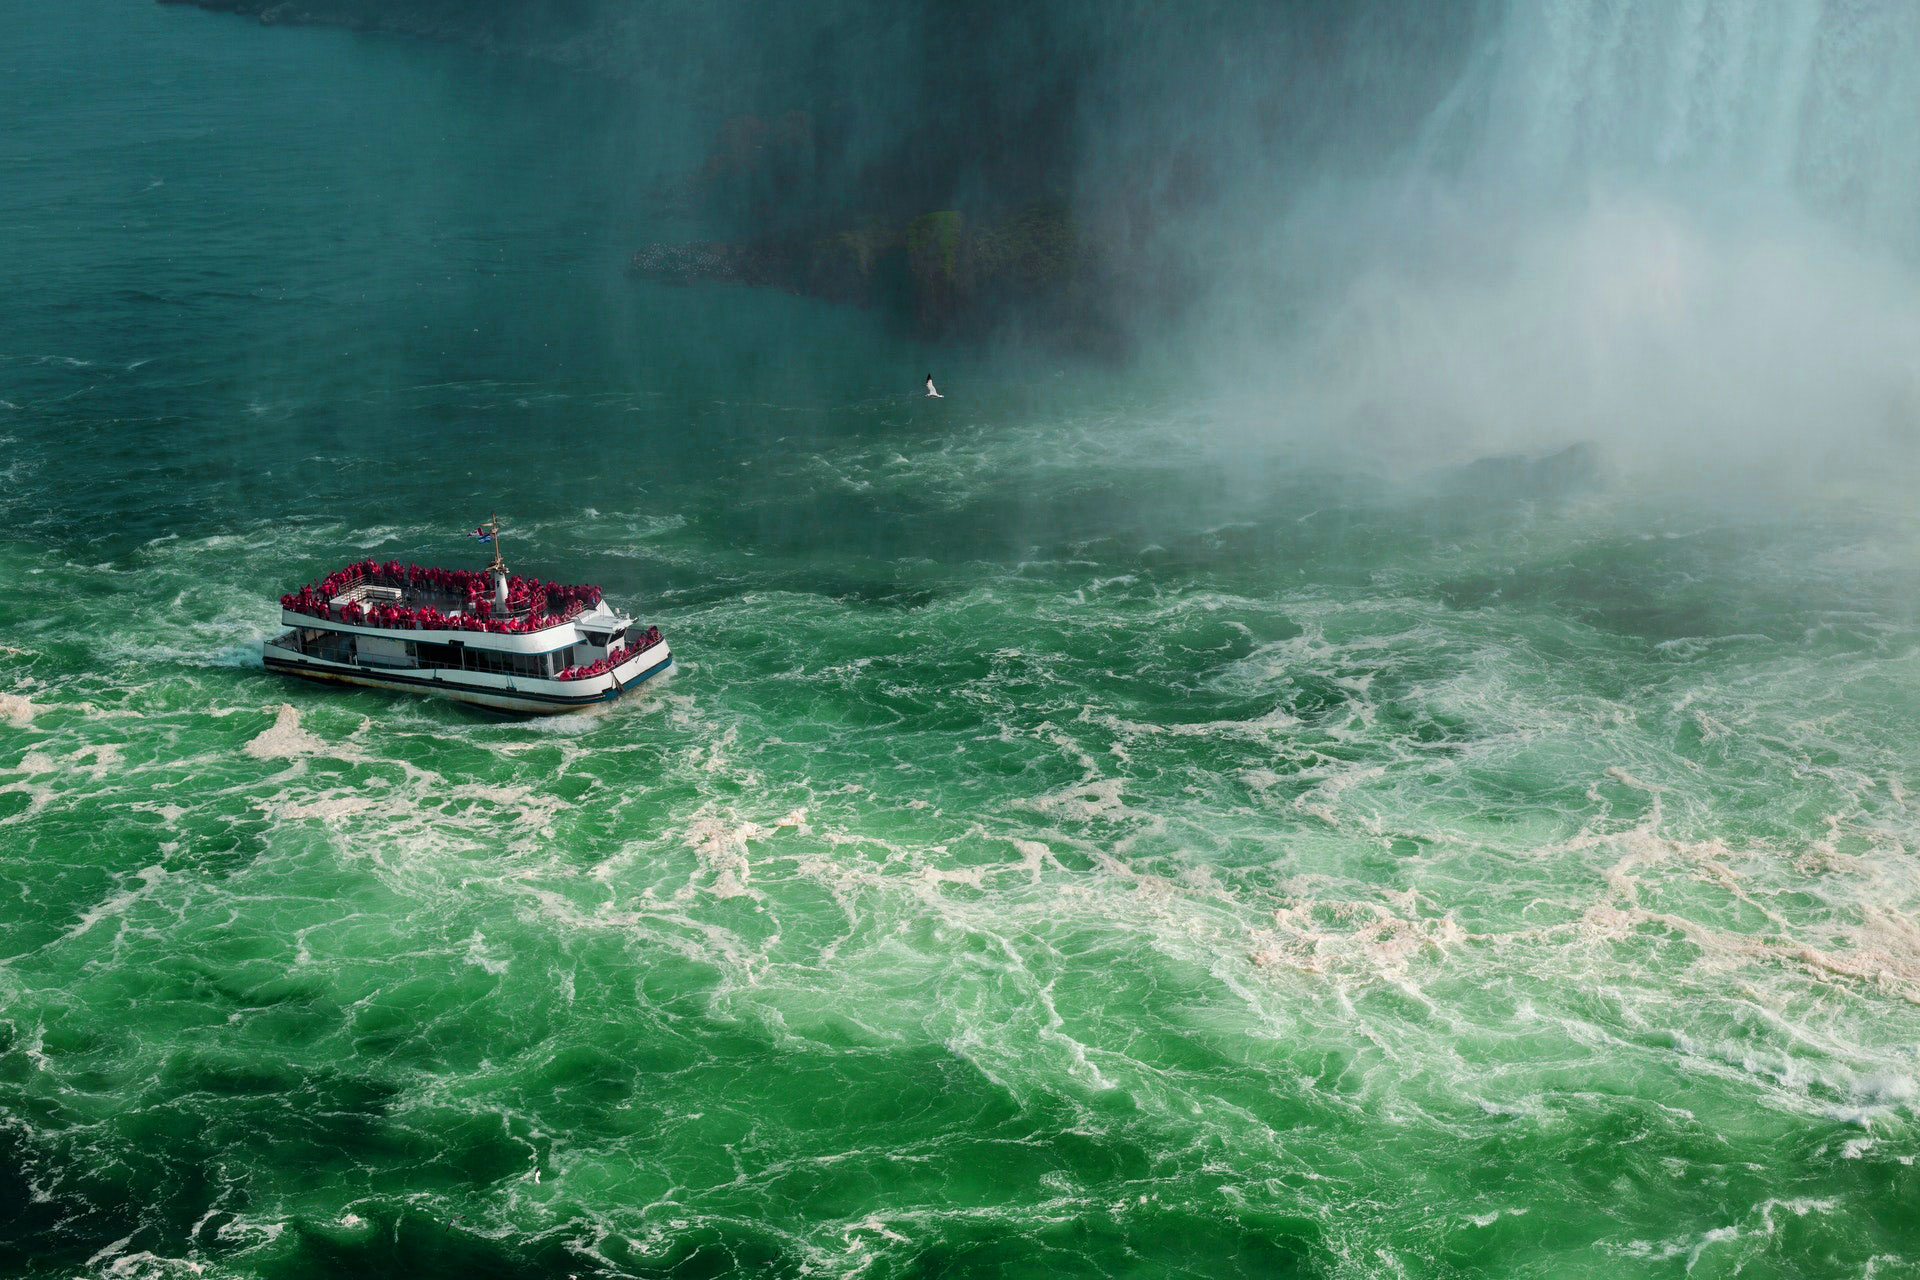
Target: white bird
[{"x": 931, "y": 391}]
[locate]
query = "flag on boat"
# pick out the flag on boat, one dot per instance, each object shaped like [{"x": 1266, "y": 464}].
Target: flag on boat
[{"x": 482, "y": 535}]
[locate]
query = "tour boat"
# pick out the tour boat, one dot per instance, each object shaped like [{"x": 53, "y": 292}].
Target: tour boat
[{"x": 482, "y": 636}]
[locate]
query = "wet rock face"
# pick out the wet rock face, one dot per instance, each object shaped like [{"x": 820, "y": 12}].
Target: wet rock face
[
  {"x": 952, "y": 275},
  {"x": 953, "y": 204},
  {"x": 761, "y": 173},
  {"x": 936, "y": 256},
  {"x": 949, "y": 271}
]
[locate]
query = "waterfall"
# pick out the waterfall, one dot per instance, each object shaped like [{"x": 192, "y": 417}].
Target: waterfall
[
  {"x": 1685, "y": 233},
  {"x": 1813, "y": 101}
]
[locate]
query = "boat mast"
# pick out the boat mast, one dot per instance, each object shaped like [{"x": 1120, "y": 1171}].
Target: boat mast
[
  {"x": 499, "y": 566},
  {"x": 492, "y": 526}
]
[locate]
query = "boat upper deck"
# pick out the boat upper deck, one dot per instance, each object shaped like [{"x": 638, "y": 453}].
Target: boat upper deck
[{"x": 412, "y": 597}]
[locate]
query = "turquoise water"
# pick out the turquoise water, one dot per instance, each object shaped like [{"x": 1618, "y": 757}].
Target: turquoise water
[{"x": 1070, "y": 844}]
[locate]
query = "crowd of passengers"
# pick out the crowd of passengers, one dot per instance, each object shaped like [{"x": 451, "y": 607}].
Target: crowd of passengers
[
  {"x": 542, "y": 604},
  {"x": 614, "y": 658}
]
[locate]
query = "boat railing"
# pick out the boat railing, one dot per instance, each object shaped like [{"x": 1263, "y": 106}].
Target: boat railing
[
  {"x": 647, "y": 640},
  {"x": 417, "y": 598}
]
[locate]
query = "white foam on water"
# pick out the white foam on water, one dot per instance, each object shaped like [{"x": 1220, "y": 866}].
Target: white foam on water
[
  {"x": 151, "y": 1266},
  {"x": 285, "y": 740},
  {"x": 97, "y": 762},
  {"x": 1098, "y": 799},
  {"x": 721, "y": 845},
  {"x": 325, "y": 808},
  {"x": 1318, "y": 936},
  {"x": 150, "y": 878},
  {"x": 972, "y": 877},
  {"x": 478, "y": 956},
  {"x": 1035, "y": 858},
  {"x": 17, "y": 710},
  {"x": 39, "y": 796},
  {"x": 1276, "y": 721},
  {"x": 574, "y": 724}
]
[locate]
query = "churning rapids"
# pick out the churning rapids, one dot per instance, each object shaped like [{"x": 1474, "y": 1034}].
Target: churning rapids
[{"x": 1077, "y": 840}]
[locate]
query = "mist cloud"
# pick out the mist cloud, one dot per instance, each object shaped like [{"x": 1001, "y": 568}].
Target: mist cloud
[{"x": 1685, "y": 234}]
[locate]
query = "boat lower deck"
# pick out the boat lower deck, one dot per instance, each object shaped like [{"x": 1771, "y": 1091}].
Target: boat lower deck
[{"x": 503, "y": 692}]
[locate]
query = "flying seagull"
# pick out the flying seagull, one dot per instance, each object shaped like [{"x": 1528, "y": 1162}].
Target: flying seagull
[{"x": 931, "y": 390}]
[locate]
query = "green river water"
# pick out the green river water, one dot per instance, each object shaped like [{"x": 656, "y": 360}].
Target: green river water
[{"x": 1068, "y": 845}]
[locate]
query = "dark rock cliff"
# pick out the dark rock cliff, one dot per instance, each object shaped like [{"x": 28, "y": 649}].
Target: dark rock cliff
[{"x": 969, "y": 162}]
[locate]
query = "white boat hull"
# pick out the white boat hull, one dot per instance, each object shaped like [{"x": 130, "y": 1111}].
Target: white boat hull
[{"x": 527, "y": 696}]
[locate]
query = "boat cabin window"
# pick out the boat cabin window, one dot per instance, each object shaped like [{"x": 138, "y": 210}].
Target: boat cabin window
[
  {"x": 503, "y": 664},
  {"x": 438, "y": 655},
  {"x": 328, "y": 646}
]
